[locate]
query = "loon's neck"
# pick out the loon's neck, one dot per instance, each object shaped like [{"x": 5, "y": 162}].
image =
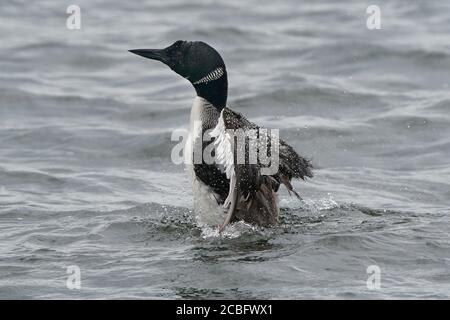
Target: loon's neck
[
  {"x": 215, "y": 92},
  {"x": 203, "y": 116}
]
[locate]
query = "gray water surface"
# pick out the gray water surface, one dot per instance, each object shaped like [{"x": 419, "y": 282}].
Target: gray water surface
[{"x": 86, "y": 177}]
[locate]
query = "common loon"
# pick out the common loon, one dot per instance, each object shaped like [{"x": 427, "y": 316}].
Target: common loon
[{"x": 225, "y": 190}]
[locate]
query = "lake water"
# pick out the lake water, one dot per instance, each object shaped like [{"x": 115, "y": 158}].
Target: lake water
[{"x": 86, "y": 178}]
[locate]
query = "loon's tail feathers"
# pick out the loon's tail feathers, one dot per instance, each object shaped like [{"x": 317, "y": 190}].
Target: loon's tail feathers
[{"x": 261, "y": 206}]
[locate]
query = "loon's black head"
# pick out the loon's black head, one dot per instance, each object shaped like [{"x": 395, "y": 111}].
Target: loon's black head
[{"x": 198, "y": 62}]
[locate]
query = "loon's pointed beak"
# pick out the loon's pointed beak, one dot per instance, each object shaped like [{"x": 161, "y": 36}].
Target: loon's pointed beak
[{"x": 154, "y": 54}]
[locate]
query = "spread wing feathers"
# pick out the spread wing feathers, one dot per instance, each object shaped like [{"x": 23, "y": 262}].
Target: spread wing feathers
[
  {"x": 225, "y": 156},
  {"x": 252, "y": 196}
]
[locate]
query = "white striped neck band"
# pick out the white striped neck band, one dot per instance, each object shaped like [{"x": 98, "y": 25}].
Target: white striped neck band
[{"x": 214, "y": 75}]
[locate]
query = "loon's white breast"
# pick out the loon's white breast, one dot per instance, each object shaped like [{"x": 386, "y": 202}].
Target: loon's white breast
[{"x": 207, "y": 210}]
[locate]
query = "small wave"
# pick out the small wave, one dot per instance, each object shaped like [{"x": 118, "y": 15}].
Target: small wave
[
  {"x": 23, "y": 177},
  {"x": 231, "y": 231},
  {"x": 231, "y": 33},
  {"x": 67, "y": 56},
  {"x": 326, "y": 101},
  {"x": 16, "y": 98},
  {"x": 310, "y": 205},
  {"x": 441, "y": 106},
  {"x": 359, "y": 51}
]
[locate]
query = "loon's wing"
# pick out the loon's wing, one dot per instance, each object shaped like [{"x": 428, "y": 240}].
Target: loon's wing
[{"x": 252, "y": 195}]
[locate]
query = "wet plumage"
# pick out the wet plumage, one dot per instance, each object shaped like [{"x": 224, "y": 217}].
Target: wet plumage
[{"x": 230, "y": 189}]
